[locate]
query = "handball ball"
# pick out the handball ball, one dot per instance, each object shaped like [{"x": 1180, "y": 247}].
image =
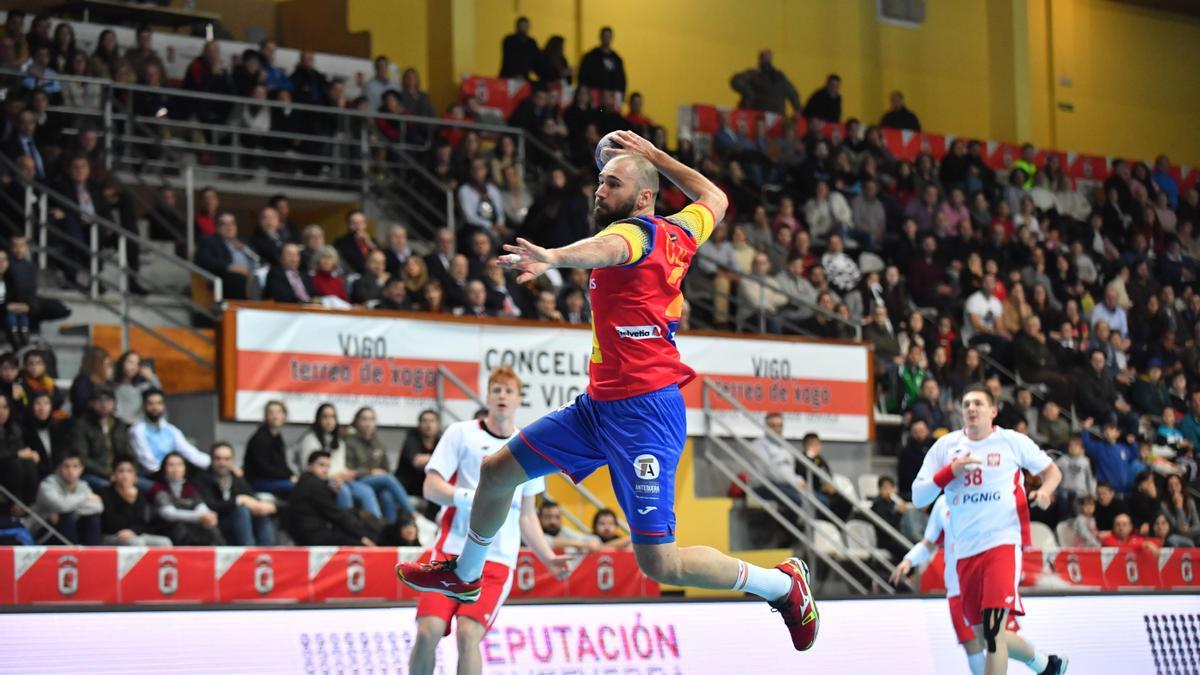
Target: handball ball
[{"x": 609, "y": 143}]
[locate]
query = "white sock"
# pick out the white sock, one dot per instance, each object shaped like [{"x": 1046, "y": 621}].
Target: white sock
[
  {"x": 768, "y": 584},
  {"x": 976, "y": 662},
  {"x": 1039, "y": 661},
  {"x": 474, "y": 553}
]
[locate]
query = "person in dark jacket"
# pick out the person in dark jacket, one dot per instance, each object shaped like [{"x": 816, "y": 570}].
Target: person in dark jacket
[
  {"x": 826, "y": 102},
  {"x": 602, "y": 68},
  {"x": 313, "y": 516},
  {"x": 126, "y": 516},
  {"x": 416, "y": 451},
  {"x": 179, "y": 509},
  {"x": 911, "y": 456},
  {"x": 228, "y": 257},
  {"x": 45, "y": 435},
  {"x": 899, "y": 116},
  {"x": 1096, "y": 392},
  {"x": 268, "y": 240},
  {"x": 1036, "y": 362},
  {"x": 354, "y": 246},
  {"x": 100, "y": 438},
  {"x": 243, "y": 519},
  {"x": 368, "y": 289},
  {"x": 765, "y": 87},
  {"x": 265, "y": 466},
  {"x": 285, "y": 281},
  {"x": 518, "y": 52}
]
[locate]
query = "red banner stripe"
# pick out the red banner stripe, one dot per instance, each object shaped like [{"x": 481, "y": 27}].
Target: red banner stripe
[{"x": 333, "y": 375}]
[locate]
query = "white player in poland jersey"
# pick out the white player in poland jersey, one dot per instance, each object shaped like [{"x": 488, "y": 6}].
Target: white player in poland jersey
[
  {"x": 457, "y": 458},
  {"x": 988, "y": 505}
]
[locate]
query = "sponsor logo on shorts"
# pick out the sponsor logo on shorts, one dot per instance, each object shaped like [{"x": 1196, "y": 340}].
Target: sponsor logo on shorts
[
  {"x": 646, "y": 466},
  {"x": 993, "y": 459},
  {"x": 647, "y": 490},
  {"x": 638, "y": 332}
]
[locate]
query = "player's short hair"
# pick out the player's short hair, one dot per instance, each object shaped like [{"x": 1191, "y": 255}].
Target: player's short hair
[
  {"x": 315, "y": 455},
  {"x": 504, "y": 373},
  {"x": 982, "y": 389}
]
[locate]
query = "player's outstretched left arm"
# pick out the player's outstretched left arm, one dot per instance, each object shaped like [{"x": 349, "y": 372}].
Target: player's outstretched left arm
[{"x": 535, "y": 539}]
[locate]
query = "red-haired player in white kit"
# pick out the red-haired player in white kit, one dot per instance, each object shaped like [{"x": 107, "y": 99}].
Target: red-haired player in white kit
[
  {"x": 450, "y": 479},
  {"x": 979, "y": 468},
  {"x": 937, "y": 534}
]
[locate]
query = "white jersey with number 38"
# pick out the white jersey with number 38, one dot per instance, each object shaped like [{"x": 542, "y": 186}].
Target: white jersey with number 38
[{"x": 988, "y": 506}]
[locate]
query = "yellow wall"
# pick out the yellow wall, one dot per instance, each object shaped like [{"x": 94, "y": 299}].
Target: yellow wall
[
  {"x": 699, "y": 522},
  {"x": 982, "y": 68}
]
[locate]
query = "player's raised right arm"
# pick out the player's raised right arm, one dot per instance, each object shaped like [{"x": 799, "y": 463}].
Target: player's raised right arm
[{"x": 697, "y": 188}]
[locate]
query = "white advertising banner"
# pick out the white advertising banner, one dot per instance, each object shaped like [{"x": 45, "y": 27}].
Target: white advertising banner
[
  {"x": 1100, "y": 634},
  {"x": 354, "y": 359}
]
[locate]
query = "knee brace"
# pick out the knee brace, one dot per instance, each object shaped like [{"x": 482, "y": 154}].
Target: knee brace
[{"x": 993, "y": 623}]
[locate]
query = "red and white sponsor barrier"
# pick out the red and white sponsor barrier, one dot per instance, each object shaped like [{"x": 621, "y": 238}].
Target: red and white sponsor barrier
[
  {"x": 389, "y": 361},
  {"x": 137, "y": 575},
  {"x": 1109, "y": 569}
]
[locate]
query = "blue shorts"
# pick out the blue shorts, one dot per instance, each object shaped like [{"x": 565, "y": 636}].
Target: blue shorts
[{"x": 639, "y": 438}]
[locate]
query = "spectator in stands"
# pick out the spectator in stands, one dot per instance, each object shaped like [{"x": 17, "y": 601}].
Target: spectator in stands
[
  {"x": 255, "y": 119},
  {"x": 842, "y": 271},
  {"x": 771, "y": 458},
  {"x": 206, "y": 213},
  {"x": 1115, "y": 459},
  {"x": 126, "y": 517},
  {"x": 282, "y": 206},
  {"x": 1078, "y": 479},
  {"x": 765, "y": 87},
  {"x": 40, "y": 73},
  {"x": 276, "y": 78},
  {"x": 518, "y": 52},
  {"x": 561, "y": 536},
  {"x": 35, "y": 379},
  {"x": 326, "y": 434},
  {"x": 868, "y": 216},
  {"x": 356, "y": 243},
  {"x": 545, "y": 307},
  {"x": 1096, "y": 392},
  {"x": 1144, "y": 504},
  {"x": 826, "y": 213},
  {"x": 437, "y": 261},
  {"x": 1036, "y": 361},
  {"x": 14, "y": 30},
  {"x": 266, "y": 466},
  {"x": 379, "y": 83},
  {"x": 824, "y": 490},
  {"x": 64, "y": 45},
  {"x": 15, "y": 306},
  {"x": 414, "y": 99},
  {"x": 826, "y": 103},
  {"x": 604, "y": 527},
  {"x": 96, "y": 369},
  {"x": 10, "y": 386},
  {"x": 482, "y": 203},
  {"x": 1108, "y": 505},
  {"x": 552, "y": 66},
  {"x": 132, "y": 378},
  {"x": 366, "y": 456},
  {"x": 106, "y": 58},
  {"x": 314, "y": 516},
  {"x": 228, "y": 257},
  {"x": 476, "y": 301},
  {"x": 243, "y": 519},
  {"x": 573, "y": 306},
  {"x": 397, "y": 251},
  {"x": 68, "y": 503},
  {"x": 20, "y": 467},
  {"x": 911, "y": 455},
  {"x": 758, "y": 298},
  {"x": 268, "y": 240},
  {"x": 153, "y": 438},
  {"x": 85, "y": 95},
  {"x": 47, "y": 434},
  {"x": 928, "y": 408},
  {"x": 1111, "y": 313},
  {"x": 982, "y": 322},
  {"x": 1053, "y": 430},
  {"x": 1083, "y": 525},
  {"x": 1181, "y": 513},
  {"x": 206, "y": 74},
  {"x": 143, "y": 54},
  {"x": 327, "y": 277},
  {"x": 309, "y": 85},
  {"x": 890, "y": 507},
  {"x": 99, "y": 437},
  {"x": 602, "y": 68},
  {"x": 368, "y": 289},
  {"x": 1122, "y": 536},
  {"x": 514, "y": 196},
  {"x": 899, "y": 116},
  {"x": 1149, "y": 395},
  {"x": 394, "y": 297},
  {"x": 179, "y": 509},
  {"x": 72, "y": 223},
  {"x": 416, "y": 451},
  {"x": 559, "y": 217},
  {"x": 285, "y": 281}
]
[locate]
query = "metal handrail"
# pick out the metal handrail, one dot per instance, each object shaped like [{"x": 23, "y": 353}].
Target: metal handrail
[
  {"x": 711, "y": 385},
  {"x": 768, "y": 282},
  {"x": 33, "y": 514},
  {"x": 444, "y": 373}
]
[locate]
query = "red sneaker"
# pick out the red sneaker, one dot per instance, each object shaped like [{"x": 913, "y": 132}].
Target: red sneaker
[
  {"x": 799, "y": 608},
  {"x": 438, "y": 577}
]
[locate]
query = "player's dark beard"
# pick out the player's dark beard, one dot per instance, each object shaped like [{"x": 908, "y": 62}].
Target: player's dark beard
[{"x": 605, "y": 217}]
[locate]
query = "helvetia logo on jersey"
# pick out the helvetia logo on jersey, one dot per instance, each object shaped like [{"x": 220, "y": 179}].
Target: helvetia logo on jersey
[{"x": 638, "y": 332}]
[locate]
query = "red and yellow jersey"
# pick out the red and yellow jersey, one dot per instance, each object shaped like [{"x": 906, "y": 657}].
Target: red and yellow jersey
[{"x": 636, "y": 306}]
